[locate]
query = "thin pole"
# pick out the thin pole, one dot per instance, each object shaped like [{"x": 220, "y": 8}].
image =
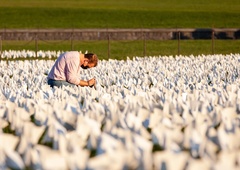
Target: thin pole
[
  {"x": 0, "y": 47},
  {"x": 108, "y": 46},
  {"x": 144, "y": 44},
  {"x": 72, "y": 39},
  {"x": 178, "y": 42},
  {"x": 36, "y": 45},
  {"x": 212, "y": 41},
  {"x": 71, "y": 42}
]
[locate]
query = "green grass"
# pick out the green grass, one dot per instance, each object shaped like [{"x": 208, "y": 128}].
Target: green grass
[
  {"x": 119, "y": 14},
  {"x": 123, "y": 49}
]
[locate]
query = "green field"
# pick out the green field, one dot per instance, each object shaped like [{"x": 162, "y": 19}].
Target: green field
[
  {"x": 119, "y": 14},
  {"x": 123, "y": 49},
  {"x": 38, "y": 14}
]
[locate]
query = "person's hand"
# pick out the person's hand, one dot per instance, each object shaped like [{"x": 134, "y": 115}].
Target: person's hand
[{"x": 92, "y": 82}]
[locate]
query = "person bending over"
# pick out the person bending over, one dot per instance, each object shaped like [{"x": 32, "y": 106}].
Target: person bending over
[{"x": 66, "y": 69}]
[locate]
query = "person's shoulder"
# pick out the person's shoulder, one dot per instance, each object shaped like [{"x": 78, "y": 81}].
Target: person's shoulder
[
  {"x": 72, "y": 56},
  {"x": 72, "y": 53}
]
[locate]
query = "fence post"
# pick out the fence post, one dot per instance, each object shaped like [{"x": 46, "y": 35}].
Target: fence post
[
  {"x": 71, "y": 42},
  {"x": 0, "y": 47},
  {"x": 108, "y": 45},
  {"x": 144, "y": 44},
  {"x": 212, "y": 41},
  {"x": 36, "y": 45},
  {"x": 178, "y": 42},
  {"x": 72, "y": 39}
]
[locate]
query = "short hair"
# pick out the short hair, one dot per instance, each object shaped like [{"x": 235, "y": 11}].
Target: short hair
[{"x": 92, "y": 58}]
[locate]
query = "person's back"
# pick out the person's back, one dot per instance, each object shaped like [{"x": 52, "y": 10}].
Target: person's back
[{"x": 66, "y": 69}]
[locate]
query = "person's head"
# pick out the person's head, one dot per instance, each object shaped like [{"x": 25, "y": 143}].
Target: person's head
[{"x": 90, "y": 60}]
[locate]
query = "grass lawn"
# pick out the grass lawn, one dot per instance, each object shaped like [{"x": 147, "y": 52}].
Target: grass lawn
[
  {"x": 123, "y": 49},
  {"x": 119, "y": 14}
]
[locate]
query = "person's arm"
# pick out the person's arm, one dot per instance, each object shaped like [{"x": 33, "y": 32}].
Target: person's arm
[
  {"x": 83, "y": 83},
  {"x": 90, "y": 82}
]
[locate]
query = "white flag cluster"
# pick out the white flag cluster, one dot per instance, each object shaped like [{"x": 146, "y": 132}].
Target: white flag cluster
[
  {"x": 29, "y": 54},
  {"x": 159, "y": 112}
]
